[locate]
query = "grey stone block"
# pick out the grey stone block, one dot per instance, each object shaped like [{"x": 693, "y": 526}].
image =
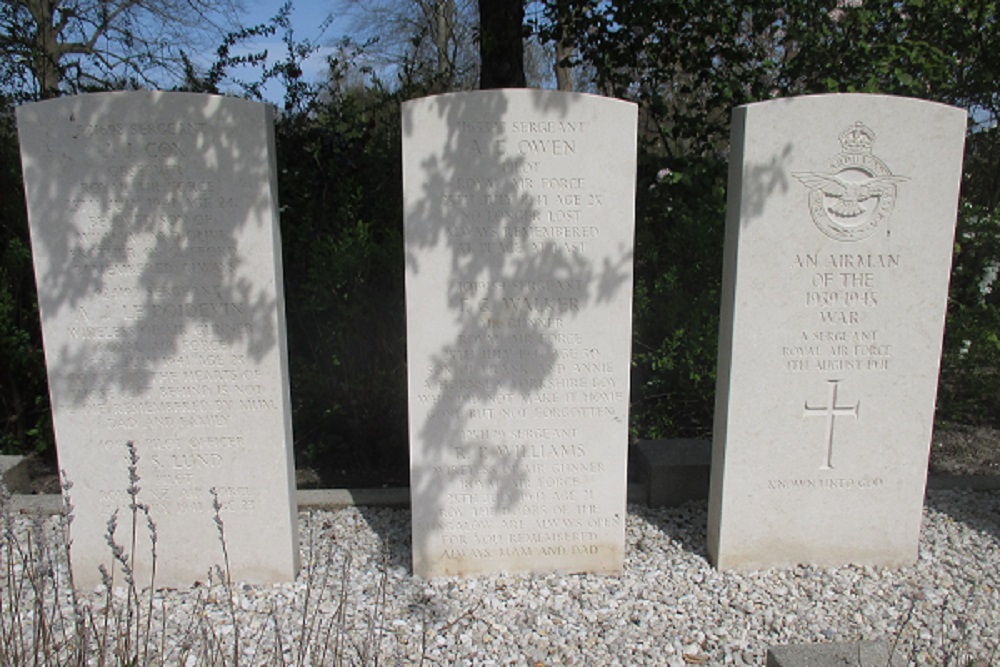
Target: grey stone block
[
  {"x": 14, "y": 472},
  {"x": 840, "y": 654},
  {"x": 675, "y": 470},
  {"x": 331, "y": 499}
]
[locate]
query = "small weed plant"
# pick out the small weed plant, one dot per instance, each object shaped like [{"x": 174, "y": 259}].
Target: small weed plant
[
  {"x": 124, "y": 622},
  {"x": 45, "y": 621}
]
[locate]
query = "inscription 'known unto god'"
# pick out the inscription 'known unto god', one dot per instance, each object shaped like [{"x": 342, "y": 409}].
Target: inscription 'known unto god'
[{"x": 833, "y": 309}]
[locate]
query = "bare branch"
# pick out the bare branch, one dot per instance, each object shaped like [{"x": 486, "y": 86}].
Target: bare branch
[{"x": 69, "y": 45}]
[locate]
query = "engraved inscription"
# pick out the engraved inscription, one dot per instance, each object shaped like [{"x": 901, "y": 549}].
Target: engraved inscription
[
  {"x": 505, "y": 404},
  {"x": 825, "y": 483},
  {"x": 830, "y": 412},
  {"x": 842, "y": 297},
  {"x": 149, "y": 208}
]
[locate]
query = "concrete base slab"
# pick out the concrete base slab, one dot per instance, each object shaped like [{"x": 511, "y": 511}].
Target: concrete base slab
[
  {"x": 14, "y": 473},
  {"x": 841, "y": 654},
  {"x": 669, "y": 477},
  {"x": 968, "y": 482},
  {"x": 332, "y": 499},
  {"x": 44, "y": 505},
  {"x": 675, "y": 471}
]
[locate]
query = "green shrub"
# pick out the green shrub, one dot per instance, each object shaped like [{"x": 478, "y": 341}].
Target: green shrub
[
  {"x": 24, "y": 404},
  {"x": 341, "y": 194}
]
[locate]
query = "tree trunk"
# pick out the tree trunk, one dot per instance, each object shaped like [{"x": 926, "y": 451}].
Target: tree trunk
[
  {"x": 562, "y": 15},
  {"x": 564, "y": 74},
  {"x": 443, "y": 12},
  {"x": 501, "y": 44},
  {"x": 45, "y": 59}
]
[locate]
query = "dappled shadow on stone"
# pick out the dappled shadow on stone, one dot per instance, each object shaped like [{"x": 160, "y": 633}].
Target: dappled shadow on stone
[
  {"x": 394, "y": 532},
  {"x": 154, "y": 234},
  {"x": 476, "y": 229},
  {"x": 683, "y": 525},
  {"x": 979, "y": 510},
  {"x": 153, "y": 256}
]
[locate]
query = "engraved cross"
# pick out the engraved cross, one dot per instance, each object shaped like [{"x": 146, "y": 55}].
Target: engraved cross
[{"x": 831, "y": 411}]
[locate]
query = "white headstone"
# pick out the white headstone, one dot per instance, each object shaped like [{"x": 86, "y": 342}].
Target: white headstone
[
  {"x": 839, "y": 232},
  {"x": 154, "y": 230},
  {"x": 519, "y": 218}
]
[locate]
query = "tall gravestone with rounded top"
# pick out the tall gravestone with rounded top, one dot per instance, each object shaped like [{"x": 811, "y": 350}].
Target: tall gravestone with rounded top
[
  {"x": 841, "y": 217},
  {"x": 154, "y": 231},
  {"x": 519, "y": 231}
]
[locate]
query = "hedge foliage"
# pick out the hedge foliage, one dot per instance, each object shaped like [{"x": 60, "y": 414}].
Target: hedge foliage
[{"x": 687, "y": 63}]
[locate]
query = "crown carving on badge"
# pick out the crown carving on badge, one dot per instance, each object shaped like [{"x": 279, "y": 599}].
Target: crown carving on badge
[{"x": 858, "y": 138}]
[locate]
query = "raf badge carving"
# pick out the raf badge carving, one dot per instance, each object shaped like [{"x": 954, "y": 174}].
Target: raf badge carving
[{"x": 857, "y": 193}]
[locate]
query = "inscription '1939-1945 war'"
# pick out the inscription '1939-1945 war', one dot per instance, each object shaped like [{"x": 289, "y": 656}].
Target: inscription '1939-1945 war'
[{"x": 842, "y": 296}]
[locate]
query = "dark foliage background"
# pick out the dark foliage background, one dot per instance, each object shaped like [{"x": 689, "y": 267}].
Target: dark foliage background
[{"x": 687, "y": 63}]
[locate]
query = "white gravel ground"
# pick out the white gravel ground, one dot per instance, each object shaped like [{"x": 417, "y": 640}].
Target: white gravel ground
[{"x": 357, "y": 603}]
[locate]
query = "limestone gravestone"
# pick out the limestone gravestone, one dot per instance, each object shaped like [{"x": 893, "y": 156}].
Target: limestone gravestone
[
  {"x": 841, "y": 217},
  {"x": 519, "y": 221},
  {"x": 154, "y": 231}
]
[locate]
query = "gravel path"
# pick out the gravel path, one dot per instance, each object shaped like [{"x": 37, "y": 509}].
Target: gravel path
[{"x": 356, "y": 602}]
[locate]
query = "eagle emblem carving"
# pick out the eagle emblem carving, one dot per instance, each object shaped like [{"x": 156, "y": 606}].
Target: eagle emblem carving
[{"x": 857, "y": 194}]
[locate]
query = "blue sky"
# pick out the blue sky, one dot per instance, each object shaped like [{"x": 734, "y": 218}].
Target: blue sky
[{"x": 306, "y": 18}]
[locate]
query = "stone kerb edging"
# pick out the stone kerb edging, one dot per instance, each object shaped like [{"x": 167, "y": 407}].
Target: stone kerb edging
[
  {"x": 399, "y": 497},
  {"x": 653, "y": 467}
]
